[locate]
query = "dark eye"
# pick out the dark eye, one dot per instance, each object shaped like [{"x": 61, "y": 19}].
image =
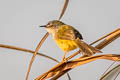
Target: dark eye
[{"x": 49, "y": 25}]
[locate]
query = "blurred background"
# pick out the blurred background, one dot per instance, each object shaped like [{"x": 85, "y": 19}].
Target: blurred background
[{"x": 19, "y": 26}]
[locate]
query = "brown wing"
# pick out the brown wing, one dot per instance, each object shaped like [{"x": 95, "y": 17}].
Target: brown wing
[
  {"x": 87, "y": 50},
  {"x": 67, "y": 32}
]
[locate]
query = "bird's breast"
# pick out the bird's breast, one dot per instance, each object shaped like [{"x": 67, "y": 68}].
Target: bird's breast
[{"x": 66, "y": 45}]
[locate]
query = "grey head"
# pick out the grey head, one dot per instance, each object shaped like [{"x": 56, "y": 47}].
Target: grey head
[
  {"x": 53, "y": 23},
  {"x": 52, "y": 26}
]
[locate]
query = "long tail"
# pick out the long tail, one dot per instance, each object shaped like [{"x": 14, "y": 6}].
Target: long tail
[{"x": 86, "y": 49}]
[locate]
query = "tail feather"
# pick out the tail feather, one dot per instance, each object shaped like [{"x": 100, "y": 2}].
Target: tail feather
[{"x": 87, "y": 50}]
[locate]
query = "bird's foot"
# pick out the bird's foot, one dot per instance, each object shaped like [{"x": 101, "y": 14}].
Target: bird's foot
[{"x": 64, "y": 60}]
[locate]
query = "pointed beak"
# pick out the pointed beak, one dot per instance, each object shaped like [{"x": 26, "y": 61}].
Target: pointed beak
[{"x": 43, "y": 26}]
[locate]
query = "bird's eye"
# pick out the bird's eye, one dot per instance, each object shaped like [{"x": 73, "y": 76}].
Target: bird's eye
[{"x": 49, "y": 25}]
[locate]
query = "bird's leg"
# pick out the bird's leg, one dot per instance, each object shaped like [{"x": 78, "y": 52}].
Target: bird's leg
[{"x": 64, "y": 58}]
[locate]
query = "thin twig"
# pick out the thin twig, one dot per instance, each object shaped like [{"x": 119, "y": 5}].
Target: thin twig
[
  {"x": 65, "y": 67},
  {"x": 72, "y": 64},
  {"x": 107, "y": 74},
  {"x": 33, "y": 57},
  {"x": 108, "y": 69},
  {"x": 117, "y": 75},
  {"x": 27, "y": 50},
  {"x": 64, "y": 9},
  {"x": 105, "y": 36}
]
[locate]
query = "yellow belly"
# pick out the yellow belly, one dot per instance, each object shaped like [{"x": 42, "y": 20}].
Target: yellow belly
[{"x": 66, "y": 45}]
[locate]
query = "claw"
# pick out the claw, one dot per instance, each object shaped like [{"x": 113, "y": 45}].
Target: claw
[{"x": 64, "y": 59}]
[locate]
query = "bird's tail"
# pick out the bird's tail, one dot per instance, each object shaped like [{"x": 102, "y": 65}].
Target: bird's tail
[{"x": 86, "y": 49}]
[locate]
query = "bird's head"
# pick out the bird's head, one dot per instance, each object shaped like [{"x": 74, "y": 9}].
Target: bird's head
[{"x": 52, "y": 26}]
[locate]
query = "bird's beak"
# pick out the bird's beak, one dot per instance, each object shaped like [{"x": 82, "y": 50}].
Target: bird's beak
[{"x": 43, "y": 26}]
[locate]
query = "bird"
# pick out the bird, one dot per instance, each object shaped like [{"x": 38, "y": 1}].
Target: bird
[{"x": 68, "y": 38}]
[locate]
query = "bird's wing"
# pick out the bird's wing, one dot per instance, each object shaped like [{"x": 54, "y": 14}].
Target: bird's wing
[
  {"x": 87, "y": 50},
  {"x": 67, "y": 32}
]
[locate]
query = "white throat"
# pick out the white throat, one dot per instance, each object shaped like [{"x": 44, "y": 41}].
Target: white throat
[{"x": 51, "y": 31}]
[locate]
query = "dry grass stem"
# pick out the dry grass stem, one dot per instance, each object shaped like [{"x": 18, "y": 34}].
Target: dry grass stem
[
  {"x": 107, "y": 69},
  {"x": 27, "y": 50},
  {"x": 33, "y": 57},
  {"x": 77, "y": 62},
  {"x": 65, "y": 67},
  {"x": 64, "y": 9},
  {"x": 117, "y": 30},
  {"x": 109, "y": 39},
  {"x": 110, "y": 73}
]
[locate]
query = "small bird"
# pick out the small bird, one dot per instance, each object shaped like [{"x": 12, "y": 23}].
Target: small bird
[{"x": 68, "y": 38}]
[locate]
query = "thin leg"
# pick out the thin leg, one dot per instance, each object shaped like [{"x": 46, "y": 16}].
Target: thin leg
[{"x": 64, "y": 58}]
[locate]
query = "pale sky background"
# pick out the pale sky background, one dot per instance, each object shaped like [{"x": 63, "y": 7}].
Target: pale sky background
[{"x": 19, "y": 21}]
